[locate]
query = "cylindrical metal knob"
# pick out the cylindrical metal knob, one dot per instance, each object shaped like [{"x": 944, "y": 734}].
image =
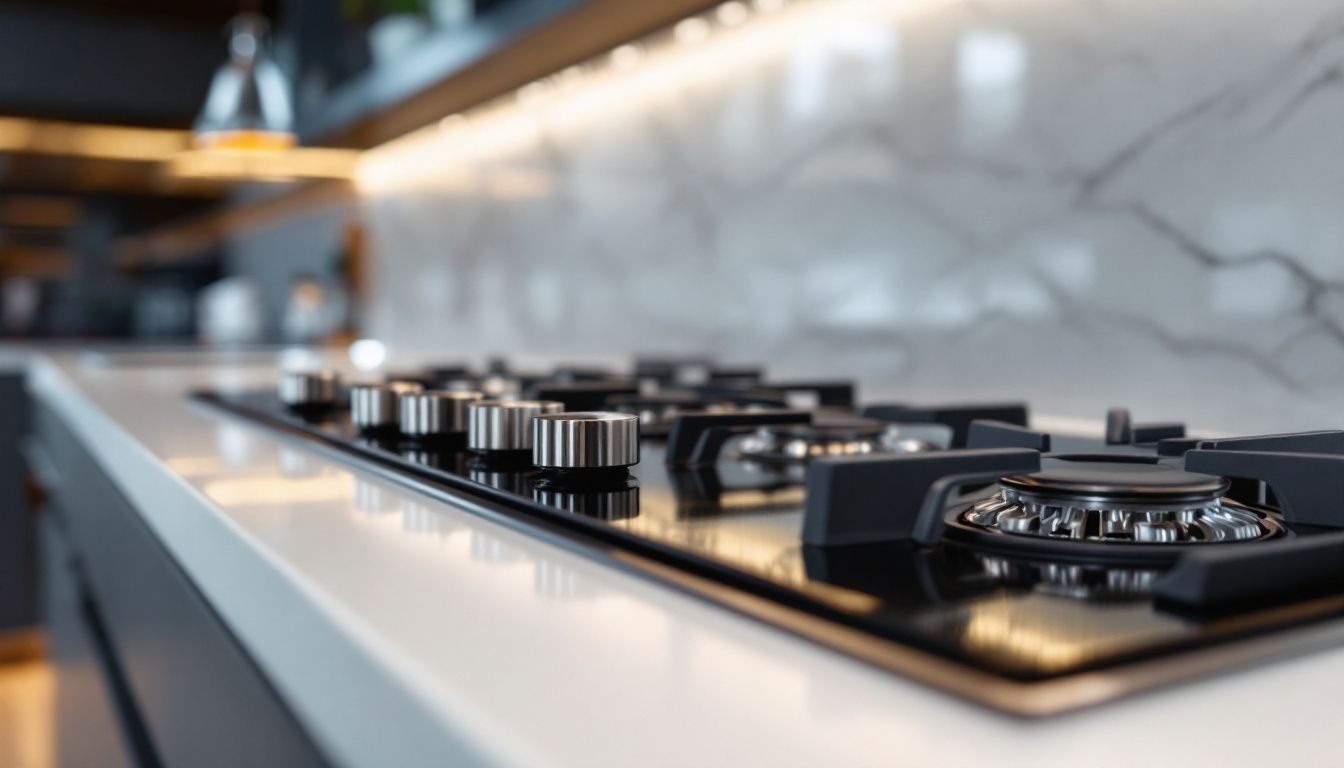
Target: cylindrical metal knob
[
  {"x": 299, "y": 389},
  {"x": 585, "y": 440},
  {"x": 429, "y": 414},
  {"x": 373, "y": 406},
  {"x": 505, "y": 425}
]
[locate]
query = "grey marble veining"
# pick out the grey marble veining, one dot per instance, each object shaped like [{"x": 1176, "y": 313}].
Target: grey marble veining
[{"x": 1081, "y": 203}]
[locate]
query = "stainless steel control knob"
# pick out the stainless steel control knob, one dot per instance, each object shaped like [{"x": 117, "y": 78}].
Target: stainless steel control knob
[
  {"x": 505, "y": 425},
  {"x": 375, "y": 406},
  {"x": 299, "y": 389},
  {"x": 585, "y": 440},
  {"x": 436, "y": 413}
]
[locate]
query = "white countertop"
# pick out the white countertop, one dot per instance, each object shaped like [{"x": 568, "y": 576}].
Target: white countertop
[{"x": 405, "y": 631}]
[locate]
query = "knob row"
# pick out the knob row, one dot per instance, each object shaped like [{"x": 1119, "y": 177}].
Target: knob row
[{"x": 556, "y": 439}]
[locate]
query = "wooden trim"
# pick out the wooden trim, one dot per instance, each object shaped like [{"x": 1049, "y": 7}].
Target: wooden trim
[
  {"x": 196, "y": 237},
  {"x": 18, "y": 645},
  {"x": 573, "y": 37}
]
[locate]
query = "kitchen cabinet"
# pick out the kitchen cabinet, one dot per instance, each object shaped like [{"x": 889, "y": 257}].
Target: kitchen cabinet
[{"x": 132, "y": 634}]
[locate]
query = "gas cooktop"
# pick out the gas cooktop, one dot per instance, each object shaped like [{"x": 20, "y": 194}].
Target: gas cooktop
[{"x": 950, "y": 543}]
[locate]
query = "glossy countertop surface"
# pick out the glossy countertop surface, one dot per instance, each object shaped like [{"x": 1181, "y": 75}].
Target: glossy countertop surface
[{"x": 407, "y": 631}]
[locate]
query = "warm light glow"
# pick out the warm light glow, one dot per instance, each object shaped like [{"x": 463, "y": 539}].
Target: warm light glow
[
  {"x": 1051, "y": 634},
  {"x": 454, "y": 158},
  {"x": 625, "y": 57},
  {"x": 266, "y": 141},
  {"x": 691, "y": 30},
  {"x": 574, "y": 72},
  {"x": 264, "y": 165},
  {"x": 791, "y": 497},
  {"x": 194, "y": 466},
  {"x": 108, "y": 142},
  {"x": 233, "y": 155},
  {"x": 992, "y": 628},
  {"x": 732, "y": 13},
  {"x": 261, "y": 491},
  {"x": 534, "y": 92}
]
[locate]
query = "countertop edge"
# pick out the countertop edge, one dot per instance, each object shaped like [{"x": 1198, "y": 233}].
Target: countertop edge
[{"x": 279, "y": 632}]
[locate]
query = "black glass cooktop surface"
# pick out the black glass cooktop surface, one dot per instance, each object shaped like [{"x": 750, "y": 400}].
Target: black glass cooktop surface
[{"x": 1024, "y": 630}]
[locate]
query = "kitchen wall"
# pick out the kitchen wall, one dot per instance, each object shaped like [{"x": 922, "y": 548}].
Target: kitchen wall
[{"x": 1131, "y": 202}]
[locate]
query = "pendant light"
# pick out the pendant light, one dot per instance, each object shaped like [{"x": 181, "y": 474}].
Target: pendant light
[{"x": 248, "y": 106}]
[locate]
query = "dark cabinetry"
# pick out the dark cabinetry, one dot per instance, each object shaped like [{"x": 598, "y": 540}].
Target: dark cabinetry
[{"x": 18, "y": 609}]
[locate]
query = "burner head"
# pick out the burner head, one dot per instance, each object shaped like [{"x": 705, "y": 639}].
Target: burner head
[
  {"x": 1109, "y": 500},
  {"x": 1109, "y": 481},
  {"x": 836, "y": 436}
]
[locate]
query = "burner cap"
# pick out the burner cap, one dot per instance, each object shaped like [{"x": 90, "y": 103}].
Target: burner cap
[
  {"x": 1114, "y": 500},
  {"x": 1108, "y": 480}
]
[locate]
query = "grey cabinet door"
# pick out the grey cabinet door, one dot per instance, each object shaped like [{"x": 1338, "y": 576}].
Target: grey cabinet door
[{"x": 89, "y": 729}]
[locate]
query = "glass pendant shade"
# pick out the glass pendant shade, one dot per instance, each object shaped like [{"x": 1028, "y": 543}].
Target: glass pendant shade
[{"x": 248, "y": 105}]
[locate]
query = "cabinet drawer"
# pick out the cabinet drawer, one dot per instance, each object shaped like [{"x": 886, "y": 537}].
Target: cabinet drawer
[{"x": 91, "y": 728}]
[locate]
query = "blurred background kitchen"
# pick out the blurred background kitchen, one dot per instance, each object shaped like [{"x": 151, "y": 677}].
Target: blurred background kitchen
[{"x": 1074, "y": 203}]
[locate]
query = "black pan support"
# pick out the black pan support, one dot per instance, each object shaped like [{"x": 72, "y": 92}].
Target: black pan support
[
  {"x": 1305, "y": 472},
  {"x": 1217, "y": 578},
  {"x": 1121, "y": 429},
  {"x": 897, "y": 497},
  {"x": 695, "y": 439},
  {"x": 830, "y": 394},
  {"x": 984, "y": 433},
  {"x": 957, "y": 417}
]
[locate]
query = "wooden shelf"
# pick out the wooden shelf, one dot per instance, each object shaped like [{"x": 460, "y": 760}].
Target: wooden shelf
[
  {"x": 195, "y": 238},
  {"x": 519, "y": 42}
]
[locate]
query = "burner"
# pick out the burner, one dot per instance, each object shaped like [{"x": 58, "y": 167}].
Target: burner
[
  {"x": 840, "y": 436},
  {"x": 1108, "y": 499}
]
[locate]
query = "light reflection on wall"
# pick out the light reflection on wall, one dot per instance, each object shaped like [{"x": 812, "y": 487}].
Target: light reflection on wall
[
  {"x": 873, "y": 49},
  {"x": 991, "y": 76},
  {"x": 695, "y": 55}
]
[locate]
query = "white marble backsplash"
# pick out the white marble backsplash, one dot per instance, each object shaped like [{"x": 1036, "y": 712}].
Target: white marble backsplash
[{"x": 1081, "y": 203}]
